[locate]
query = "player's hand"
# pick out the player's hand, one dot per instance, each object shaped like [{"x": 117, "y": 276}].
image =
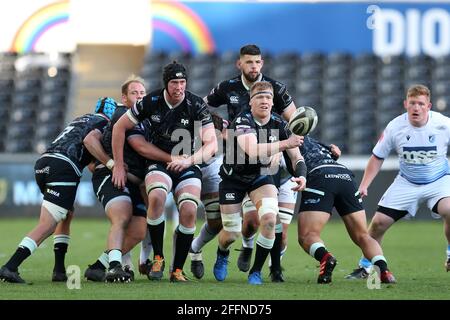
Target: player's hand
[
  {"x": 119, "y": 176},
  {"x": 363, "y": 191},
  {"x": 294, "y": 141},
  {"x": 335, "y": 151},
  {"x": 301, "y": 183},
  {"x": 179, "y": 165}
]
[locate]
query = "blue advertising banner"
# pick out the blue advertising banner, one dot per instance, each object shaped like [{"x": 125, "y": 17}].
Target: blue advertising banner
[{"x": 382, "y": 28}]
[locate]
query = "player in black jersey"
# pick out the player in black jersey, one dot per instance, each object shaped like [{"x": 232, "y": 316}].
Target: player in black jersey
[
  {"x": 330, "y": 184},
  {"x": 177, "y": 118},
  {"x": 58, "y": 172},
  {"x": 99, "y": 145},
  {"x": 234, "y": 93},
  {"x": 258, "y": 133}
]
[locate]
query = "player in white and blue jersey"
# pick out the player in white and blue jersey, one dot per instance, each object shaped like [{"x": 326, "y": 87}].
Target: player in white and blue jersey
[{"x": 420, "y": 137}]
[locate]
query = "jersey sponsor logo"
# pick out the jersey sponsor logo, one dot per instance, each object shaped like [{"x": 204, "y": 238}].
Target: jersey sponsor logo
[
  {"x": 311, "y": 201},
  {"x": 152, "y": 167},
  {"x": 234, "y": 99},
  {"x": 230, "y": 196},
  {"x": 272, "y": 138},
  {"x": 342, "y": 176},
  {"x": 53, "y": 192},
  {"x": 185, "y": 122},
  {"x": 419, "y": 155},
  {"x": 45, "y": 170},
  {"x": 156, "y": 118},
  {"x": 432, "y": 138}
]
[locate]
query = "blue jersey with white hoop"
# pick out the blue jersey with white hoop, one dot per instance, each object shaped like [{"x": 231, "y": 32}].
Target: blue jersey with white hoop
[{"x": 422, "y": 151}]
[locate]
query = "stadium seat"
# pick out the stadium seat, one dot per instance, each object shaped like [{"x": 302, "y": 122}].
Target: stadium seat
[
  {"x": 48, "y": 132},
  {"x": 312, "y": 58},
  {"x": 309, "y": 86},
  {"x": 27, "y": 85},
  {"x": 441, "y": 73},
  {"x": 52, "y": 115},
  {"x": 337, "y": 71},
  {"x": 390, "y": 87},
  {"x": 366, "y": 72},
  {"x": 390, "y": 72},
  {"x": 313, "y": 71},
  {"x": 55, "y": 84},
  {"x": 23, "y": 115},
  {"x": 18, "y": 145},
  {"x": 20, "y": 130},
  {"x": 363, "y": 87},
  {"x": 363, "y": 102},
  {"x": 335, "y": 87},
  {"x": 6, "y": 85},
  {"x": 57, "y": 100}
]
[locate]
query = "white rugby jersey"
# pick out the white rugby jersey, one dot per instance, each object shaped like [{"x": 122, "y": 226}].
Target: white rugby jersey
[{"x": 422, "y": 152}]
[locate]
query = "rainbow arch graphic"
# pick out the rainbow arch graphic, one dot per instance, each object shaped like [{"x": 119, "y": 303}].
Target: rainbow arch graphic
[
  {"x": 168, "y": 16},
  {"x": 183, "y": 25},
  {"x": 38, "y": 24}
]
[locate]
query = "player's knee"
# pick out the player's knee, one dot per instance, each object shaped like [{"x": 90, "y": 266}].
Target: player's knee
[
  {"x": 188, "y": 204},
  {"x": 157, "y": 186},
  {"x": 156, "y": 202},
  {"x": 248, "y": 207},
  {"x": 212, "y": 209},
  {"x": 232, "y": 222},
  {"x": 58, "y": 213},
  {"x": 268, "y": 206}
]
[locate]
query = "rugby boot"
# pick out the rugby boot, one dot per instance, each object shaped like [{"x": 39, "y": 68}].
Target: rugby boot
[
  {"x": 157, "y": 270},
  {"x": 117, "y": 274},
  {"x": 359, "y": 273},
  {"x": 327, "y": 266},
  {"x": 58, "y": 276},
  {"x": 7, "y": 275},
  {"x": 255, "y": 278},
  {"x": 197, "y": 267},
  {"x": 220, "y": 267},
  {"x": 95, "y": 274},
  {"x": 145, "y": 268},
  {"x": 178, "y": 276},
  {"x": 387, "y": 277},
  {"x": 244, "y": 259}
]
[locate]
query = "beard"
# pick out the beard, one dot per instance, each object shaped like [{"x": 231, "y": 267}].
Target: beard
[{"x": 251, "y": 78}]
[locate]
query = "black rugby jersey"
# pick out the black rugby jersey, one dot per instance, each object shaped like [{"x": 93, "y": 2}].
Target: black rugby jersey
[
  {"x": 190, "y": 115},
  {"x": 69, "y": 142},
  {"x": 316, "y": 154},
  {"x": 274, "y": 130},
  {"x": 235, "y": 95},
  {"x": 135, "y": 162}
]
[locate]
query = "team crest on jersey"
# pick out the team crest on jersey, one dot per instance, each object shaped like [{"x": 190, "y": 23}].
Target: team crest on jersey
[
  {"x": 156, "y": 118},
  {"x": 431, "y": 138},
  {"x": 234, "y": 99},
  {"x": 272, "y": 138},
  {"x": 238, "y": 120},
  {"x": 408, "y": 137}
]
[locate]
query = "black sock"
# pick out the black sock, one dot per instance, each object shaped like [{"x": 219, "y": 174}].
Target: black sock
[
  {"x": 182, "y": 244},
  {"x": 17, "y": 258},
  {"x": 60, "y": 250},
  {"x": 157, "y": 237},
  {"x": 260, "y": 257},
  {"x": 320, "y": 253},
  {"x": 223, "y": 253},
  {"x": 382, "y": 265},
  {"x": 275, "y": 252}
]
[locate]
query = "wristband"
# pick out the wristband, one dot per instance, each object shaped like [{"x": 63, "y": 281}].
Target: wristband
[
  {"x": 110, "y": 164},
  {"x": 300, "y": 169}
]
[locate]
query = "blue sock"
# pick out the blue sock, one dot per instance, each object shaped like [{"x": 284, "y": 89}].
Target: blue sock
[
  {"x": 448, "y": 252},
  {"x": 365, "y": 263}
]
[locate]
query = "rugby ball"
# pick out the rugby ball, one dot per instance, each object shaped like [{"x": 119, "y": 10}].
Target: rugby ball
[{"x": 303, "y": 121}]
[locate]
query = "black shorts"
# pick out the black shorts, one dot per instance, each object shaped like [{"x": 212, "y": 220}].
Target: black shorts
[
  {"x": 331, "y": 187},
  {"x": 188, "y": 173},
  {"x": 57, "y": 181},
  {"x": 106, "y": 191},
  {"x": 233, "y": 191}
]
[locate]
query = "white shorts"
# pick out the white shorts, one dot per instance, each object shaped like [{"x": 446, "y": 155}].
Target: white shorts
[
  {"x": 404, "y": 195},
  {"x": 210, "y": 176},
  {"x": 286, "y": 194}
]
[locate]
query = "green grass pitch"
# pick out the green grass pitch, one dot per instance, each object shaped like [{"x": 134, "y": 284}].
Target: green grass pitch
[{"x": 415, "y": 251}]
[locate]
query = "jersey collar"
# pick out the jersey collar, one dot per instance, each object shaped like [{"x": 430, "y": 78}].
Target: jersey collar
[{"x": 244, "y": 83}]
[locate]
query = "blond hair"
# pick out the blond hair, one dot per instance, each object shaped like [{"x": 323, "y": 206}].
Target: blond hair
[
  {"x": 132, "y": 78},
  {"x": 418, "y": 90},
  {"x": 261, "y": 86}
]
